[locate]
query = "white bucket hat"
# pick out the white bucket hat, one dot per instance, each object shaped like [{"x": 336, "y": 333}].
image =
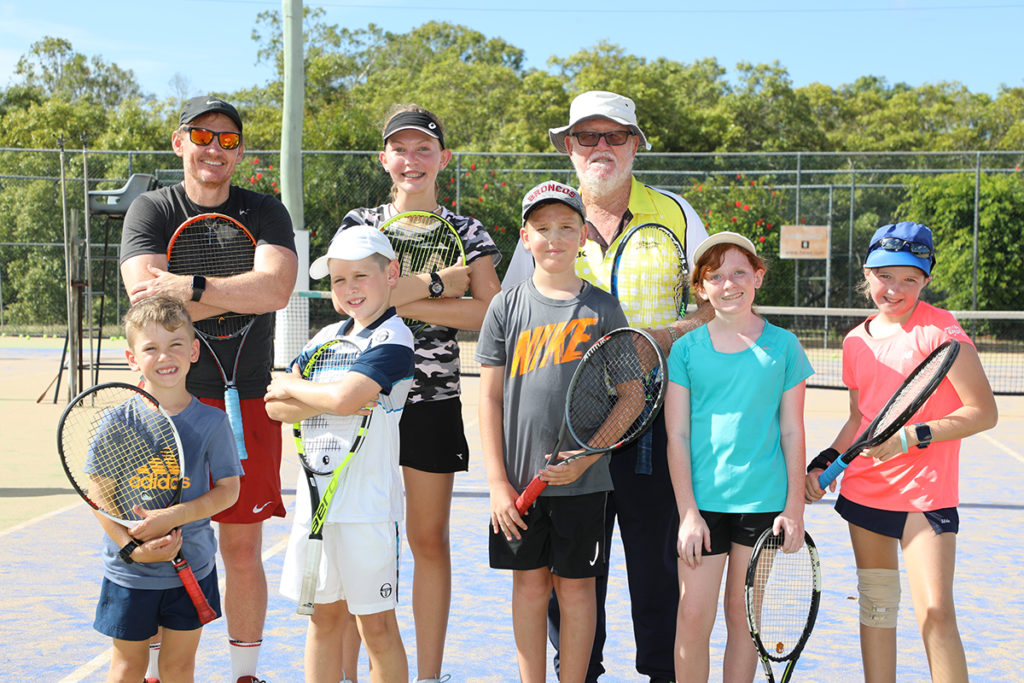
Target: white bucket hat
[{"x": 598, "y": 104}]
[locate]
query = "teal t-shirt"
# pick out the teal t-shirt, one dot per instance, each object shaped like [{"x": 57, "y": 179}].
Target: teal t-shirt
[{"x": 736, "y": 454}]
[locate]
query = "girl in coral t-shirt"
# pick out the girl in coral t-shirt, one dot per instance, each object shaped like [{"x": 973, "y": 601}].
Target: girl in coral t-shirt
[{"x": 905, "y": 491}]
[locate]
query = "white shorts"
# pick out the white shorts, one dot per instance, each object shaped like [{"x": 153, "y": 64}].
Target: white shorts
[{"x": 359, "y": 564}]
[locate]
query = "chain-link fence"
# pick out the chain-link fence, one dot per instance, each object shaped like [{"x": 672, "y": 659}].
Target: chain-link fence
[{"x": 755, "y": 194}]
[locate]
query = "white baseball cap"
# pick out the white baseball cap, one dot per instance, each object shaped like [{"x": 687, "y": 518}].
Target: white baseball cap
[
  {"x": 596, "y": 104},
  {"x": 353, "y": 244},
  {"x": 724, "y": 237}
]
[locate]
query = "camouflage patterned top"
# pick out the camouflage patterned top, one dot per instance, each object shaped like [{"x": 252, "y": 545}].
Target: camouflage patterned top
[{"x": 437, "y": 353}]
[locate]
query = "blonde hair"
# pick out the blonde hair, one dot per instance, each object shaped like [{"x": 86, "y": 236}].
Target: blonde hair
[
  {"x": 161, "y": 310},
  {"x": 396, "y": 109}
]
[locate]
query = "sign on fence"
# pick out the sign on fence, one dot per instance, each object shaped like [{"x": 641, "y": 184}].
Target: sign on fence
[{"x": 803, "y": 241}]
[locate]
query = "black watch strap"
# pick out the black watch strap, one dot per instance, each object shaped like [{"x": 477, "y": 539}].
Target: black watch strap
[
  {"x": 436, "y": 285},
  {"x": 198, "y": 287},
  {"x": 125, "y": 553}
]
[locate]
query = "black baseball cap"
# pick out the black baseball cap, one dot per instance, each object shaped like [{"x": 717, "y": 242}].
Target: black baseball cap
[{"x": 206, "y": 104}]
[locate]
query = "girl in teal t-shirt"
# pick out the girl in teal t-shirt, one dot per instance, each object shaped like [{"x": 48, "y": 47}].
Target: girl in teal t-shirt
[{"x": 734, "y": 415}]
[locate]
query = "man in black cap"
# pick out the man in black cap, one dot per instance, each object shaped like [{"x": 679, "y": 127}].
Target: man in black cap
[{"x": 210, "y": 143}]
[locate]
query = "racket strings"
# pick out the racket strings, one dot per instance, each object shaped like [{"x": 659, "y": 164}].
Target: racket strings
[
  {"x": 782, "y": 596},
  {"x": 652, "y": 279},
  {"x": 909, "y": 392},
  {"x": 214, "y": 248},
  {"x": 615, "y": 392},
  {"x": 423, "y": 245},
  {"x": 327, "y": 438},
  {"x": 121, "y": 451}
]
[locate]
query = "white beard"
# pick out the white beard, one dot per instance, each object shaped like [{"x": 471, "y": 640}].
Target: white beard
[{"x": 595, "y": 182}]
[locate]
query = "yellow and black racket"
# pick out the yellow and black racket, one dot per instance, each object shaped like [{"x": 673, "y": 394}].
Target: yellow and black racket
[{"x": 424, "y": 243}]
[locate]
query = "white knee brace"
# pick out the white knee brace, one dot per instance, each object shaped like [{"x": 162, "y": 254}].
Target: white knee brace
[{"x": 879, "y": 591}]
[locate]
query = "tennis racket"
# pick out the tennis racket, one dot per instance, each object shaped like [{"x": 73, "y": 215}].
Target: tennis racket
[
  {"x": 424, "y": 243},
  {"x": 649, "y": 276},
  {"x": 782, "y": 593},
  {"x": 120, "y": 449},
  {"x": 326, "y": 444},
  {"x": 214, "y": 245},
  {"x": 614, "y": 395},
  {"x": 908, "y": 399}
]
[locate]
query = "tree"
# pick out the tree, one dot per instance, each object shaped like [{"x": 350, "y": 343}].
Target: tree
[{"x": 58, "y": 71}]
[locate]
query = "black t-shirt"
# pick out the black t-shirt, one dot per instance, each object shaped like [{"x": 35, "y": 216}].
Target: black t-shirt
[{"x": 148, "y": 227}]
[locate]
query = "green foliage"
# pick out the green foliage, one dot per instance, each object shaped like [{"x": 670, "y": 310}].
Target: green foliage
[
  {"x": 492, "y": 104},
  {"x": 946, "y": 205},
  {"x": 752, "y": 208}
]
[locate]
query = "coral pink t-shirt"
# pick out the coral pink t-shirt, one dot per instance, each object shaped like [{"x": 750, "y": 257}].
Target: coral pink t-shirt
[{"x": 923, "y": 479}]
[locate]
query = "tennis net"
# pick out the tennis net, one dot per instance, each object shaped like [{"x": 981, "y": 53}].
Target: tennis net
[{"x": 998, "y": 335}]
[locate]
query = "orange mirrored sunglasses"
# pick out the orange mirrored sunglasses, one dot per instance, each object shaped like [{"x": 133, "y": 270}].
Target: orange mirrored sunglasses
[{"x": 204, "y": 136}]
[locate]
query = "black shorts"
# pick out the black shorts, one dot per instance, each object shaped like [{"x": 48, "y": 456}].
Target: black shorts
[
  {"x": 433, "y": 438},
  {"x": 743, "y": 528},
  {"x": 891, "y": 522},
  {"x": 564, "y": 534}
]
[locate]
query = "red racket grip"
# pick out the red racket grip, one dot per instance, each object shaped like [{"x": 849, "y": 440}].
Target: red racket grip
[
  {"x": 526, "y": 498},
  {"x": 188, "y": 580}
]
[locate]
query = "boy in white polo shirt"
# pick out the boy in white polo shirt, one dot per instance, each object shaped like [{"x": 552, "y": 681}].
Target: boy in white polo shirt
[{"x": 359, "y": 569}]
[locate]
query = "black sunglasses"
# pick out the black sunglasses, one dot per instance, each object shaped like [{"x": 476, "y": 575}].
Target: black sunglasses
[
  {"x": 589, "y": 138},
  {"x": 204, "y": 136},
  {"x": 897, "y": 244}
]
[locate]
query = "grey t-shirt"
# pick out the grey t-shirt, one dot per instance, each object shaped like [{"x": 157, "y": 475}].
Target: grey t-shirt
[{"x": 539, "y": 341}]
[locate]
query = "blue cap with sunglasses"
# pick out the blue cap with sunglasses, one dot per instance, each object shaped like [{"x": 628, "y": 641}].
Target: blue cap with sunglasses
[{"x": 902, "y": 244}]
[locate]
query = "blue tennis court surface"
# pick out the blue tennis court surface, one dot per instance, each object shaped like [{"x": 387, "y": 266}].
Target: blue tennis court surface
[{"x": 51, "y": 581}]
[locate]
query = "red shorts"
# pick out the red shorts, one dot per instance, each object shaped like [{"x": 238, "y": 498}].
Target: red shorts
[{"x": 259, "y": 497}]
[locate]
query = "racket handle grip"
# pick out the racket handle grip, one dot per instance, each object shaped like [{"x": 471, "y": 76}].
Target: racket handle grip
[
  {"x": 195, "y": 593},
  {"x": 307, "y": 593},
  {"x": 233, "y": 407},
  {"x": 526, "y": 498},
  {"x": 832, "y": 472}
]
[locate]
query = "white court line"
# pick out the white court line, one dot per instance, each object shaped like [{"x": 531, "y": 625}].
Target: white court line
[
  {"x": 103, "y": 659},
  {"x": 1003, "y": 447},
  {"x": 30, "y": 522}
]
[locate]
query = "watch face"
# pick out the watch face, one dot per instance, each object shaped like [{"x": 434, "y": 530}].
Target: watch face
[{"x": 923, "y": 433}]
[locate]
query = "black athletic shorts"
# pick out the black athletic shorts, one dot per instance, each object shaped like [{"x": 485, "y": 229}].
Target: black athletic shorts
[
  {"x": 743, "y": 528},
  {"x": 433, "y": 438},
  {"x": 564, "y": 534}
]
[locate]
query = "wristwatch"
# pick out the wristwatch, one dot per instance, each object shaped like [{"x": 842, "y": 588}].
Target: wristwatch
[
  {"x": 198, "y": 287},
  {"x": 436, "y": 286},
  {"x": 923, "y": 433},
  {"x": 125, "y": 553}
]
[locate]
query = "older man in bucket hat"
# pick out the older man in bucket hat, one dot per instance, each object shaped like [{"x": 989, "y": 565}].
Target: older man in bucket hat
[{"x": 602, "y": 139}]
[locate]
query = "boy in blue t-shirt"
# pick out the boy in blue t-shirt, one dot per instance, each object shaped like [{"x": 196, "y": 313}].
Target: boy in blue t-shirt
[{"x": 141, "y": 591}]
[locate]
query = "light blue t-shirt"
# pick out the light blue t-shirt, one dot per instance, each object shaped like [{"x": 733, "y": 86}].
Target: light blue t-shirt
[
  {"x": 735, "y": 438},
  {"x": 208, "y": 452}
]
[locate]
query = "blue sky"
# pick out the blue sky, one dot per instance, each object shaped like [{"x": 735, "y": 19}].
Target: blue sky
[{"x": 209, "y": 44}]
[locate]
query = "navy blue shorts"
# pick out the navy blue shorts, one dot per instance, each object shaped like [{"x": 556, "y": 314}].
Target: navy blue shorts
[
  {"x": 890, "y": 522},
  {"x": 135, "y": 613},
  {"x": 743, "y": 528},
  {"x": 564, "y": 534},
  {"x": 433, "y": 438}
]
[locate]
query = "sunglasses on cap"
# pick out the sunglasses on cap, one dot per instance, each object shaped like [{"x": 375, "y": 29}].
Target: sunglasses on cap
[
  {"x": 590, "y": 138},
  {"x": 897, "y": 244},
  {"x": 204, "y": 136}
]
